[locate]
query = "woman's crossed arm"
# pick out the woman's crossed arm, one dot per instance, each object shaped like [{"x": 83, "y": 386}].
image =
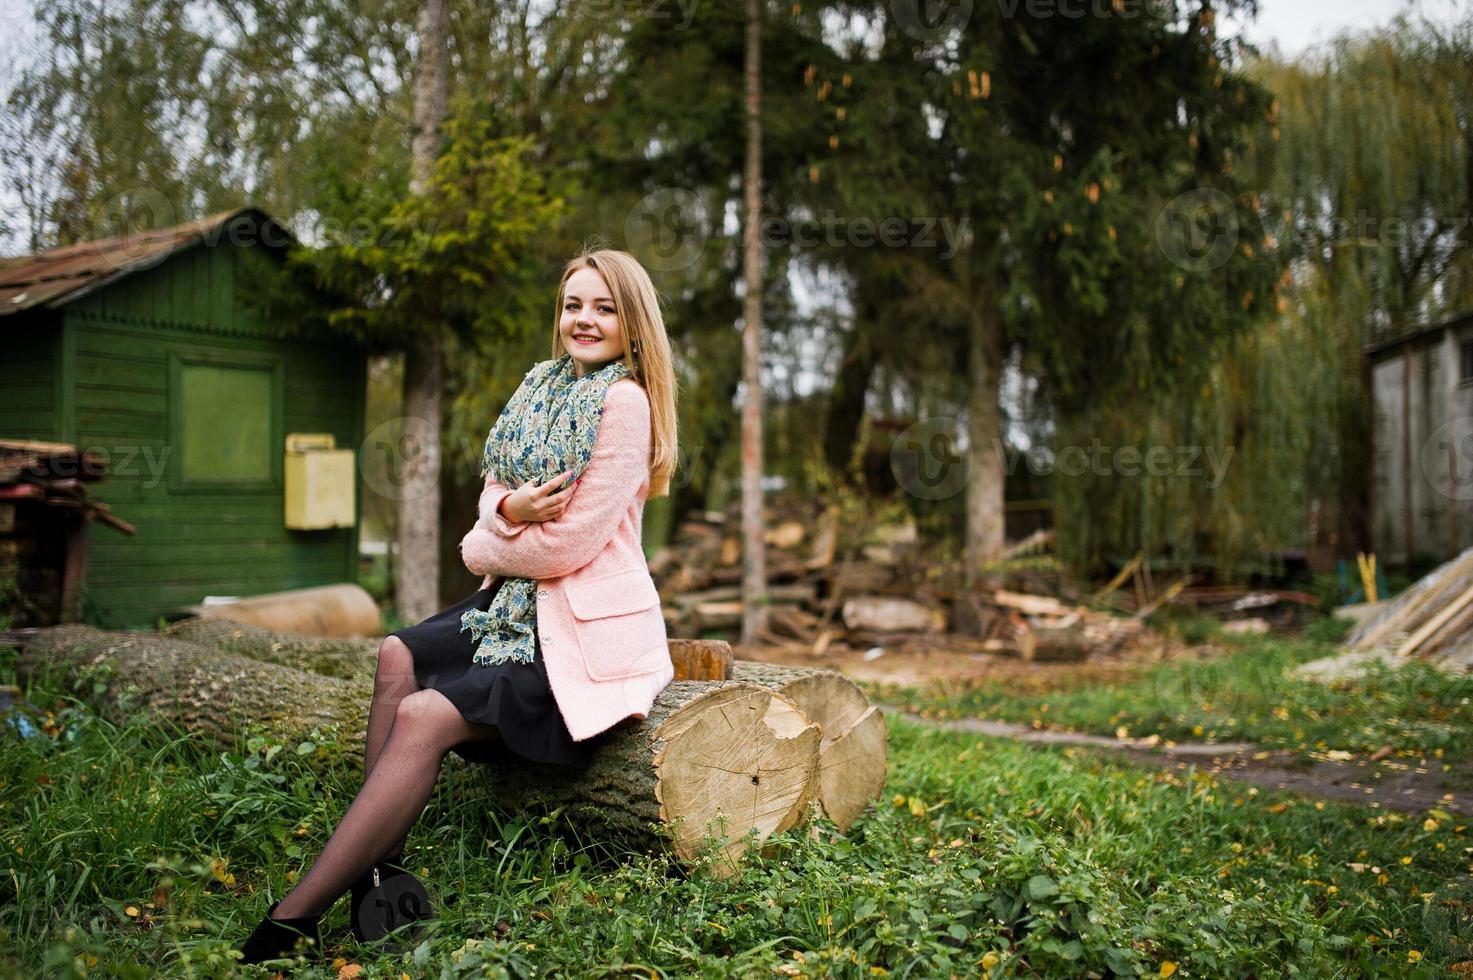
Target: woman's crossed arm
[{"x": 612, "y": 478}]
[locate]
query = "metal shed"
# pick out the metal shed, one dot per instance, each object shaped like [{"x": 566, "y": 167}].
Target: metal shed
[{"x": 140, "y": 349}]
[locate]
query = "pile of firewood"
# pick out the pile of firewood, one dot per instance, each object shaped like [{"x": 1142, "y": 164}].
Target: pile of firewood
[
  {"x": 55, "y": 474},
  {"x": 880, "y": 591},
  {"x": 44, "y": 514}
]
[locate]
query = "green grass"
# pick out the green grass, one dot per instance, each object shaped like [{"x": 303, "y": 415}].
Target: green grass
[
  {"x": 137, "y": 852},
  {"x": 1245, "y": 694}
]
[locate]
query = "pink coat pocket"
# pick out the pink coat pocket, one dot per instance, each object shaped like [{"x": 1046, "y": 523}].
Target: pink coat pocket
[{"x": 618, "y": 623}]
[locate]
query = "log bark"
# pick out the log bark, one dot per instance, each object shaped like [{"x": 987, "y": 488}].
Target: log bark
[
  {"x": 730, "y": 760},
  {"x": 345, "y": 658},
  {"x": 211, "y": 694},
  {"x": 723, "y": 759},
  {"x": 698, "y": 660},
  {"x": 1055, "y": 644}
]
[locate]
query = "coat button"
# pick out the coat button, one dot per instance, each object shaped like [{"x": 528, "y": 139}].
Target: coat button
[
  {"x": 545, "y": 638},
  {"x": 543, "y": 594}
]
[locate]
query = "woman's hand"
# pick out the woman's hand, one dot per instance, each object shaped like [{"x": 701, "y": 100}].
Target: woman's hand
[{"x": 538, "y": 502}]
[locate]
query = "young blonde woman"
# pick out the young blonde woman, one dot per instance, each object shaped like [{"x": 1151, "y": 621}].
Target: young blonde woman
[{"x": 564, "y": 639}]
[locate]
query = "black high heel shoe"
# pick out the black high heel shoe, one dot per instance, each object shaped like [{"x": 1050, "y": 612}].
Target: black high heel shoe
[
  {"x": 386, "y": 897},
  {"x": 276, "y": 939}
]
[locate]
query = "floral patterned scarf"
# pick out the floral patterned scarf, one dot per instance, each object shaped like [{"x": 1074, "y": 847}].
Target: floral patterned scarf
[{"x": 549, "y": 425}]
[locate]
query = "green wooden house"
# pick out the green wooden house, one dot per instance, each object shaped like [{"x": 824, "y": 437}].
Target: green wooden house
[{"x": 140, "y": 348}]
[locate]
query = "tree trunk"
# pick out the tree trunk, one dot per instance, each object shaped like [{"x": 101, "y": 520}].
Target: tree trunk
[
  {"x": 713, "y": 428},
  {"x": 720, "y": 758},
  {"x": 348, "y": 659},
  {"x": 417, "y": 573},
  {"x": 754, "y": 565},
  {"x": 985, "y": 484},
  {"x": 205, "y": 692},
  {"x": 846, "y": 399},
  {"x": 417, "y": 585}
]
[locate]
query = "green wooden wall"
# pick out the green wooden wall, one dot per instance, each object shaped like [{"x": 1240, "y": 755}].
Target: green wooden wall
[{"x": 119, "y": 350}]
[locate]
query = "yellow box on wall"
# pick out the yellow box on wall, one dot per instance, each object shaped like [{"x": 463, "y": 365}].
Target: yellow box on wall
[{"x": 319, "y": 482}]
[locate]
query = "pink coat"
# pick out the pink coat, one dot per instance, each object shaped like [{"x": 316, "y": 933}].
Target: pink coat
[{"x": 598, "y": 615}]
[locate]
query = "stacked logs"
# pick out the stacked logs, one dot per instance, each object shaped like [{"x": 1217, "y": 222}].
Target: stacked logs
[
  {"x": 730, "y": 754},
  {"x": 836, "y": 589}
]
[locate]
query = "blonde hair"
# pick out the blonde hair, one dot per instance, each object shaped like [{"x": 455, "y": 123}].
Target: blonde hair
[{"x": 646, "y": 348}]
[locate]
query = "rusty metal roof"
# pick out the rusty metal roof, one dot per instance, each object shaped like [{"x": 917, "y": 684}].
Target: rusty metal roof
[{"x": 60, "y": 275}]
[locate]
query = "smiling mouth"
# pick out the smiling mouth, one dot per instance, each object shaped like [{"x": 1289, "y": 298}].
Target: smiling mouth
[{"x": 584, "y": 338}]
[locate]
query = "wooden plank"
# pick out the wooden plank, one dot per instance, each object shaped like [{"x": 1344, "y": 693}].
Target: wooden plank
[
  {"x": 1405, "y": 618},
  {"x": 1164, "y": 597},
  {"x": 117, "y": 397},
  {"x": 1451, "y": 633},
  {"x": 74, "y": 570},
  {"x": 1033, "y": 605},
  {"x": 1120, "y": 577},
  {"x": 1436, "y": 623}
]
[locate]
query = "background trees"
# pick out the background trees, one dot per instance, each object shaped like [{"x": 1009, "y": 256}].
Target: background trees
[{"x": 1044, "y": 230}]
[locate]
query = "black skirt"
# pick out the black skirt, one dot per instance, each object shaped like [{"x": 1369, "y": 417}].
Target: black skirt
[{"x": 513, "y": 696}]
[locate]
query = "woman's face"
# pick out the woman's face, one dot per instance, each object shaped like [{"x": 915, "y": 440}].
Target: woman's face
[{"x": 588, "y": 312}]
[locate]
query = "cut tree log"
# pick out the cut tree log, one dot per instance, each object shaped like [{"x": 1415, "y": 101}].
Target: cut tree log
[
  {"x": 722, "y": 759},
  {"x": 799, "y": 592},
  {"x": 348, "y": 658},
  {"x": 825, "y": 540},
  {"x": 788, "y": 534},
  {"x": 715, "y": 615},
  {"x": 725, "y": 759},
  {"x": 344, "y": 610},
  {"x": 890, "y": 614},
  {"x": 701, "y": 660},
  {"x": 206, "y": 692},
  {"x": 792, "y": 622},
  {"x": 1033, "y": 605},
  {"x": 1064, "y": 643},
  {"x": 853, "y": 753}
]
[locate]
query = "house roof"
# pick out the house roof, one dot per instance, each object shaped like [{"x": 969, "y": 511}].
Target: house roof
[
  {"x": 58, "y": 276},
  {"x": 1385, "y": 347}
]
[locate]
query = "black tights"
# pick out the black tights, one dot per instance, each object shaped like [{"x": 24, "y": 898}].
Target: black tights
[{"x": 409, "y": 732}]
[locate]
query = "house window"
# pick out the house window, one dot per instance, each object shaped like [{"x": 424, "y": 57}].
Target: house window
[
  {"x": 225, "y": 421},
  {"x": 1467, "y": 361}
]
